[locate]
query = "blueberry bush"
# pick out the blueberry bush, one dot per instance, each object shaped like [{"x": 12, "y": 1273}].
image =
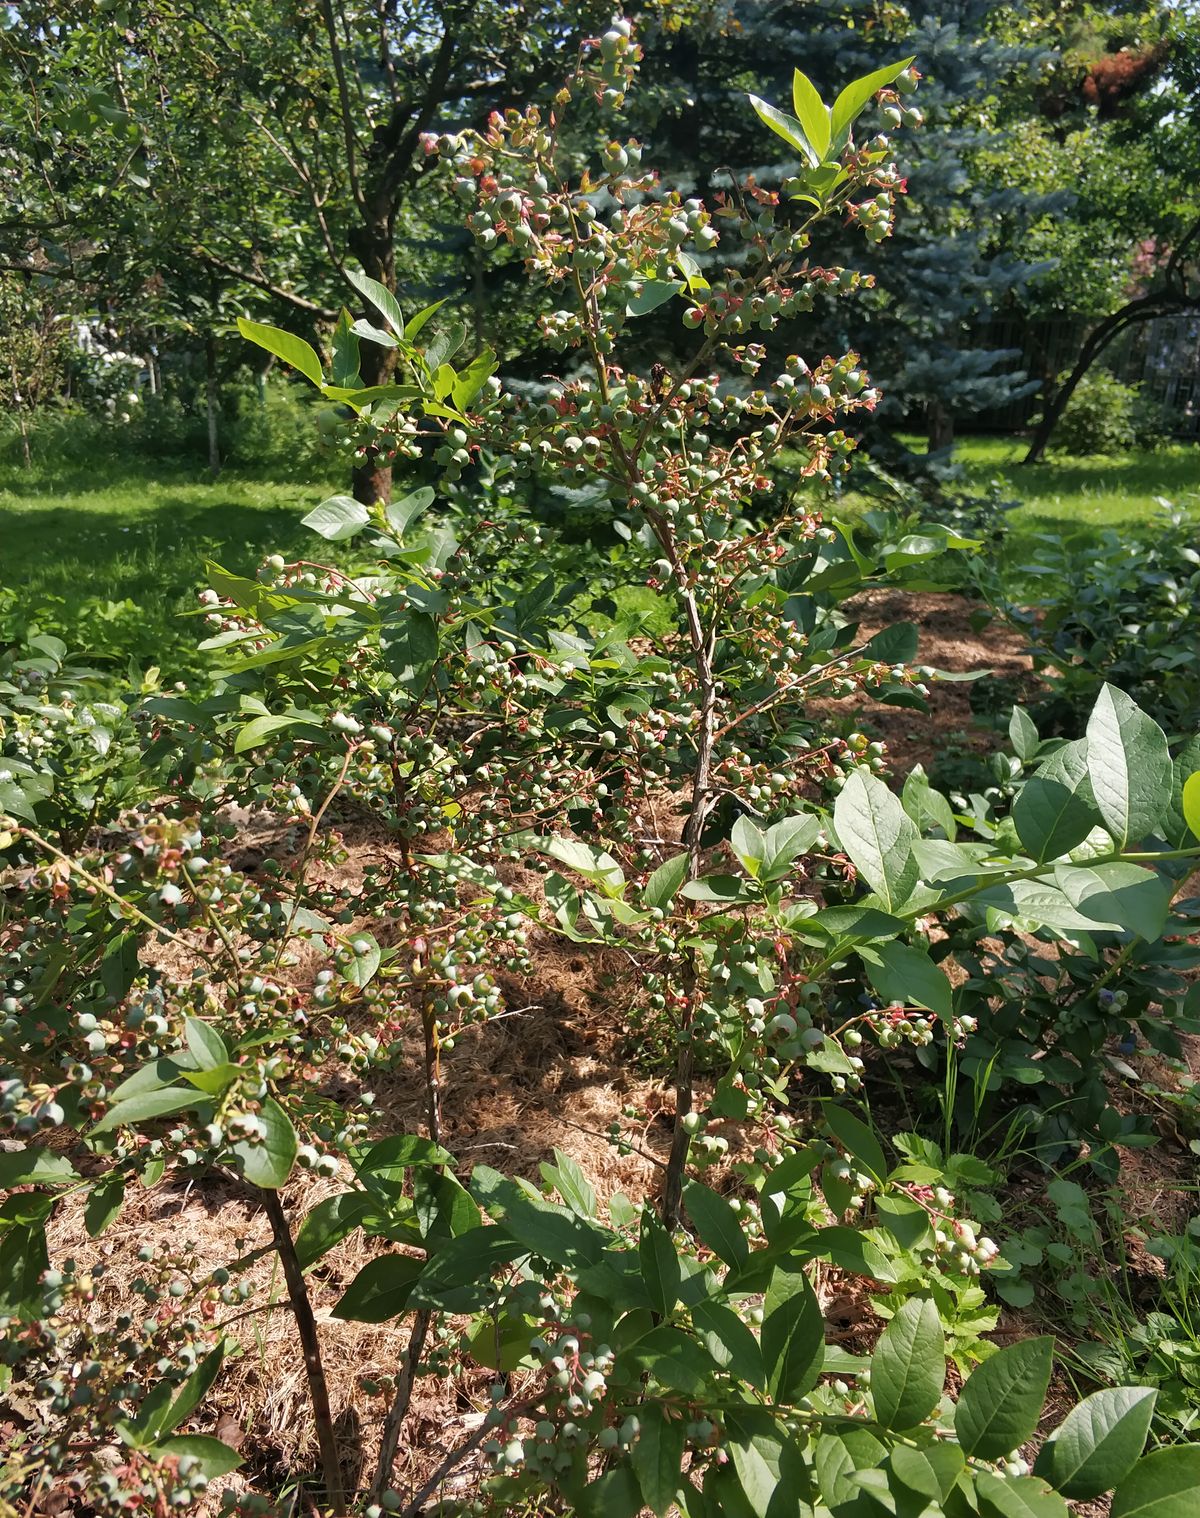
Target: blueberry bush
[{"x": 798, "y": 934}]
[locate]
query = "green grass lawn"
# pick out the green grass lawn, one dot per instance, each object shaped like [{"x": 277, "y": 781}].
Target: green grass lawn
[
  {"x": 117, "y": 555},
  {"x": 1076, "y": 496},
  {"x": 112, "y": 557}
]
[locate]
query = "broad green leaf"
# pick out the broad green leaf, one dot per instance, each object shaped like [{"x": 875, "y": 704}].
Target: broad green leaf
[
  {"x": 1129, "y": 765},
  {"x": 857, "y": 1139},
  {"x": 855, "y": 97},
  {"x": 749, "y": 845},
  {"x": 268, "y": 1163},
  {"x": 103, "y": 1204},
  {"x": 205, "y": 1044},
  {"x": 345, "y": 353},
  {"x": 380, "y": 1290},
  {"x": 878, "y": 835},
  {"x": 213, "y": 1456},
  {"x": 1023, "y": 734},
  {"x": 652, "y": 294},
  {"x": 373, "y": 334},
  {"x": 1098, "y": 1442},
  {"x": 195, "y": 1388},
  {"x": 470, "y": 381},
  {"x": 659, "y": 891},
  {"x": 1163, "y": 1484},
  {"x": 146, "y": 1105},
  {"x": 1017, "y": 1497},
  {"x": 793, "y": 1336},
  {"x": 811, "y": 113},
  {"x": 409, "y": 647},
  {"x": 905, "y": 974},
  {"x": 1191, "y": 802},
  {"x": 592, "y": 864},
  {"x": 35, "y": 1167},
  {"x": 1136, "y": 899},
  {"x": 403, "y": 513},
  {"x": 285, "y": 345},
  {"x": 368, "y": 956},
  {"x": 1001, "y": 1400},
  {"x": 659, "y": 1264},
  {"x": 329, "y": 1223},
  {"x": 23, "y": 1258},
  {"x": 716, "y": 1223},
  {"x": 787, "y": 127},
  {"x": 784, "y": 841},
  {"x": 259, "y": 729},
  {"x": 337, "y": 518},
  {"x": 908, "y": 1367},
  {"x": 380, "y": 297},
  {"x": 566, "y": 1176},
  {"x": 416, "y": 323},
  {"x": 657, "y": 1457},
  {"x": 1051, "y": 816},
  {"x": 932, "y": 1471},
  {"x": 730, "y": 1342}
]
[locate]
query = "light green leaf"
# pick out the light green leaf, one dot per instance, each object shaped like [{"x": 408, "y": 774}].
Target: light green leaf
[
  {"x": 908, "y": 1367},
  {"x": 748, "y": 844},
  {"x": 857, "y": 1139},
  {"x": 1052, "y": 815},
  {"x": 1001, "y": 1401},
  {"x": 787, "y": 127},
  {"x": 1191, "y": 802},
  {"x": 729, "y": 1341},
  {"x": 1023, "y": 734},
  {"x": 901, "y": 973},
  {"x": 716, "y": 1223},
  {"x": 784, "y": 841},
  {"x": 1129, "y": 765},
  {"x": 1098, "y": 1442},
  {"x": 657, "y": 1457},
  {"x": 878, "y": 835},
  {"x": 329, "y": 1223},
  {"x": 146, "y": 1105},
  {"x": 403, "y": 513},
  {"x": 214, "y": 1457},
  {"x": 855, "y": 97},
  {"x": 652, "y": 294},
  {"x": 1017, "y": 1497},
  {"x": 205, "y": 1044},
  {"x": 1163, "y": 1484},
  {"x": 35, "y": 1167},
  {"x": 337, "y": 518},
  {"x": 260, "y": 729},
  {"x": 659, "y": 891},
  {"x": 811, "y": 113},
  {"x": 285, "y": 345},
  {"x": 380, "y": 297},
  {"x": 1137, "y": 900},
  {"x": 268, "y": 1162}
]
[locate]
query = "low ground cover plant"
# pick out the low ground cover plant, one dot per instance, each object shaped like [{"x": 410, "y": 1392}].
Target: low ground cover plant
[{"x": 802, "y": 936}]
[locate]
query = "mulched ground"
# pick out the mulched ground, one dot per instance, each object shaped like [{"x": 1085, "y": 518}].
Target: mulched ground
[{"x": 552, "y": 1073}]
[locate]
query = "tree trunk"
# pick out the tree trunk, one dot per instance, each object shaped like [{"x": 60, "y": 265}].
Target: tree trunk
[
  {"x": 1145, "y": 308},
  {"x": 941, "y": 427},
  {"x": 210, "y": 403},
  {"x": 372, "y": 245}
]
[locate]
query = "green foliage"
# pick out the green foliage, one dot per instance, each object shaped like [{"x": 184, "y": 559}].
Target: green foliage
[
  {"x": 457, "y": 690},
  {"x": 1108, "y": 417},
  {"x": 1113, "y": 615}
]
